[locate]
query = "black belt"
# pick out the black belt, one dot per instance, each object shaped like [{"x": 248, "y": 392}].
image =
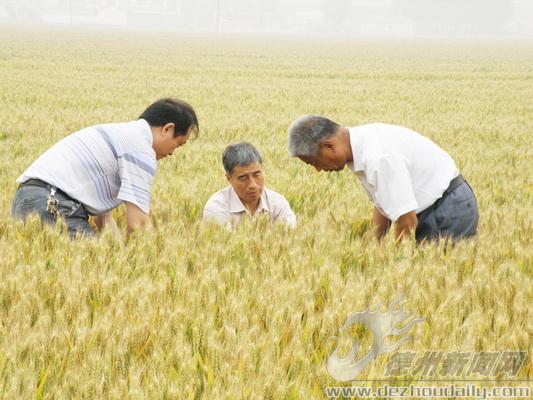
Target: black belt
[
  {"x": 47, "y": 186},
  {"x": 454, "y": 184},
  {"x": 42, "y": 184}
]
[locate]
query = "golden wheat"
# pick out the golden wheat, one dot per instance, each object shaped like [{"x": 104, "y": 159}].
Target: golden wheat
[{"x": 188, "y": 310}]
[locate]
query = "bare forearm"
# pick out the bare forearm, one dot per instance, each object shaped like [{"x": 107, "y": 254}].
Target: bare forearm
[
  {"x": 137, "y": 225},
  {"x": 406, "y": 224},
  {"x": 136, "y": 219},
  {"x": 101, "y": 221},
  {"x": 107, "y": 221},
  {"x": 112, "y": 226},
  {"x": 381, "y": 223}
]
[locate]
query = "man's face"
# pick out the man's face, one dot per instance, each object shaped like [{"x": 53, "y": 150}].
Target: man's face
[
  {"x": 247, "y": 181},
  {"x": 328, "y": 158},
  {"x": 167, "y": 143}
]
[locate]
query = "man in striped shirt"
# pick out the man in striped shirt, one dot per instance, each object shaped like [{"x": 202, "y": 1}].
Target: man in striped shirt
[{"x": 92, "y": 171}]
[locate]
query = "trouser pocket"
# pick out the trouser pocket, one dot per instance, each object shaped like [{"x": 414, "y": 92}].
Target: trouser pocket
[
  {"x": 458, "y": 215},
  {"x": 31, "y": 200}
]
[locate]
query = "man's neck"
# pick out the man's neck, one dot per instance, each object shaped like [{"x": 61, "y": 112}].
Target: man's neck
[
  {"x": 346, "y": 144},
  {"x": 251, "y": 207}
]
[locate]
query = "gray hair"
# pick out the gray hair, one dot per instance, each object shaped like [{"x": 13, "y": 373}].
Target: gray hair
[
  {"x": 306, "y": 132},
  {"x": 240, "y": 154}
]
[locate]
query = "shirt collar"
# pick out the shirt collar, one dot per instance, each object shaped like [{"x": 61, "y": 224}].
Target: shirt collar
[
  {"x": 146, "y": 130},
  {"x": 236, "y": 206},
  {"x": 356, "y": 138}
]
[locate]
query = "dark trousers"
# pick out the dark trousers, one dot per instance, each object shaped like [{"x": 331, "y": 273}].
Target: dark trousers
[
  {"x": 34, "y": 197},
  {"x": 455, "y": 215}
]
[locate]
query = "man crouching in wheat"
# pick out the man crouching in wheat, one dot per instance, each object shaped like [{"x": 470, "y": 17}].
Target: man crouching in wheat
[
  {"x": 411, "y": 181},
  {"x": 246, "y": 195},
  {"x": 92, "y": 171}
]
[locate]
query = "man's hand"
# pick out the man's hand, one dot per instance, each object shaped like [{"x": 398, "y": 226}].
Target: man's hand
[
  {"x": 381, "y": 223},
  {"x": 136, "y": 218},
  {"x": 404, "y": 225},
  {"x": 107, "y": 221}
]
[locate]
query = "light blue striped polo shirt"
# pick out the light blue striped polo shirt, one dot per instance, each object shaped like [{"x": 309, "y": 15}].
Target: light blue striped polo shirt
[{"x": 101, "y": 166}]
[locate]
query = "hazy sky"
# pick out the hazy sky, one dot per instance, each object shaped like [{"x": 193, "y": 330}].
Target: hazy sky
[{"x": 355, "y": 17}]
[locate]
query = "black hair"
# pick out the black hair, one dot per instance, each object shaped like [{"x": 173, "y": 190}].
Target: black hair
[{"x": 168, "y": 110}]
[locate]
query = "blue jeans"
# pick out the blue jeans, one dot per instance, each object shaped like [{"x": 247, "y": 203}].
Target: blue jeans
[
  {"x": 30, "y": 199},
  {"x": 455, "y": 216}
]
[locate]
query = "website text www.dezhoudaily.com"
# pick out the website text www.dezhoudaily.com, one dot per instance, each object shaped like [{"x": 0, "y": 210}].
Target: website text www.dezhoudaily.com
[{"x": 470, "y": 391}]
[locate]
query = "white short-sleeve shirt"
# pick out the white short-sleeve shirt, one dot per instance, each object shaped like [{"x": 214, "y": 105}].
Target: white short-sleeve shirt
[
  {"x": 227, "y": 209},
  {"x": 400, "y": 170}
]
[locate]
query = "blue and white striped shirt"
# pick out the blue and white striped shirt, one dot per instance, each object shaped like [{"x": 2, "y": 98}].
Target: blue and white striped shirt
[{"x": 101, "y": 166}]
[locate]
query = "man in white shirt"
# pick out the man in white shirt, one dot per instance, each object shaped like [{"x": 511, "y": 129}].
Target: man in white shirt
[
  {"x": 246, "y": 196},
  {"x": 92, "y": 171},
  {"x": 411, "y": 181}
]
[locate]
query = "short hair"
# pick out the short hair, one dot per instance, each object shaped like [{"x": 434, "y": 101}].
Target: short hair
[
  {"x": 306, "y": 132},
  {"x": 169, "y": 110},
  {"x": 242, "y": 153}
]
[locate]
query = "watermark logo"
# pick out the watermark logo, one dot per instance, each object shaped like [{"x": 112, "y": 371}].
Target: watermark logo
[
  {"x": 381, "y": 325},
  {"x": 456, "y": 364}
]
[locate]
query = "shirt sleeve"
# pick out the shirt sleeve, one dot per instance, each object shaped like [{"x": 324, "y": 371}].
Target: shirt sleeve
[
  {"x": 284, "y": 213},
  {"x": 136, "y": 172},
  {"x": 215, "y": 210},
  {"x": 394, "y": 194}
]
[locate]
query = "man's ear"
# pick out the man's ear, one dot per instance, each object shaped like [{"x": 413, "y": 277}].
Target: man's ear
[
  {"x": 168, "y": 129},
  {"x": 227, "y": 177},
  {"x": 327, "y": 144}
]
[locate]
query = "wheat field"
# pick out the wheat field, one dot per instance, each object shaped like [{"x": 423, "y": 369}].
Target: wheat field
[{"x": 191, "y": 311}]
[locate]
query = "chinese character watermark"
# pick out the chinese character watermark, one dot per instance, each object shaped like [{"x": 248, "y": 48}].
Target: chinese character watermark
[
  {"x": 381, "y": 325},
  {"x": 436, "y": 363}
]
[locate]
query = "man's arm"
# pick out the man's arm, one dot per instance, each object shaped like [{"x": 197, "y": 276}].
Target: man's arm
[
  {"x": 285, "y": 213},
  {"x": 381, "y": 223},
  {"x": 136, "y": 218},
  {"x": 107, "y": 221},
  {"x": 390, "y": 176},
  {"x": 405, "y": 224},
  {"x": 217, "y": 209}
]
